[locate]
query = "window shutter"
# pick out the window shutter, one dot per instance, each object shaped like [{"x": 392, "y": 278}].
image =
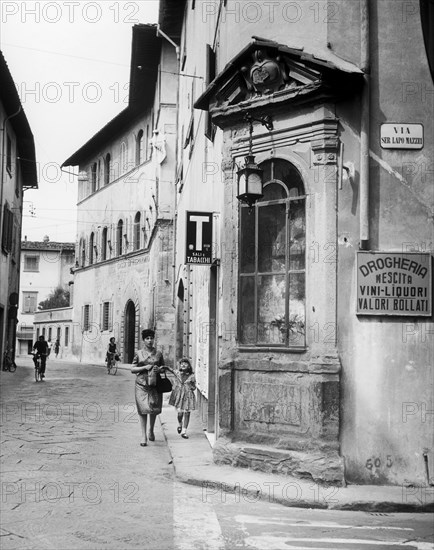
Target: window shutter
[
  {"x": 101, "y": 316},
  {"x": 210, "y": 128},
  {"x": 90, "y": 318},
  {"x": 110, "y": 317}
]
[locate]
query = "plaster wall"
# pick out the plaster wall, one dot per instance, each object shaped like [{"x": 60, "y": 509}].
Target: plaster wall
[
  {"x": 298, "y": 24},
  {"x": 199, "y": 188},
  {"x": 387, "y": 362},
  {"x": 54, "y": 271},
  {"x": 9, "y": 268},
  {"x": 58, "y": 319},
  {"x": 141, "y": 275}
]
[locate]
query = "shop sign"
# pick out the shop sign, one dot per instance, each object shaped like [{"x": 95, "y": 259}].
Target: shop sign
[
  {"x": 199, "y": 238},
  {"x": 394, "y": 283},
  {"x": 401, "y": 136}
]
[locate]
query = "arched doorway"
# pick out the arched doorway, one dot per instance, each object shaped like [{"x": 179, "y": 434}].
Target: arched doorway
[{"x": 129, "y": 332}]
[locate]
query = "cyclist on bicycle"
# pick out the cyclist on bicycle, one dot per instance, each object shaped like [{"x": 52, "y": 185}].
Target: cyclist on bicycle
[
  {"x": 112, "y": 352},
  {"x": 41, "y": 347}
]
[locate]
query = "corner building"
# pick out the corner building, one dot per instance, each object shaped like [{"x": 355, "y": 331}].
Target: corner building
[
  {"x": 123, "y": 271},
  {"x": 296, "y": 374}
]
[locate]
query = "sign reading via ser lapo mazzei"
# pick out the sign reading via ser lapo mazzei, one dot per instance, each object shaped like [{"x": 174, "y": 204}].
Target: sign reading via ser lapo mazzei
[
  {"x": 394, "y": 283},
  {"x": 198, "y": 244},
  {"x": 401, "y": 136}
]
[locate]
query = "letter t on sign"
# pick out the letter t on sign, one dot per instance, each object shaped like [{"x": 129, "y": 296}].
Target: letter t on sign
[{"x": 199, "y": 238}]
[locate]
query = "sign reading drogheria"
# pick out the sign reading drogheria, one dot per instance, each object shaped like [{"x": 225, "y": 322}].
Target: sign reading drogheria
[
  {"x": 199, "y": 238},
  {"x": 401, "y": 136},
  {"x": 394, "y": 283}
]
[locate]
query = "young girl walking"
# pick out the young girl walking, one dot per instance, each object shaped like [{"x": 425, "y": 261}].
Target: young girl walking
[{"x": 182, "y": 396}]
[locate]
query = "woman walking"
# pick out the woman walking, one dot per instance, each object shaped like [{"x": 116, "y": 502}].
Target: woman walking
[{"x": 147, "y": 364}]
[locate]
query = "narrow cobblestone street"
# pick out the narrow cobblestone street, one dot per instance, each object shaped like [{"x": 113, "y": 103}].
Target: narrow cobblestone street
[
  {"x": 74, "y": 477},
  {"x": 71, "y": 445}
]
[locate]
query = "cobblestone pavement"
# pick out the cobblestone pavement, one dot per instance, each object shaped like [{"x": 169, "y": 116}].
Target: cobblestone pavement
[
  {"x": 73, "y": 476},
  {"x": 73, "y": 473}
]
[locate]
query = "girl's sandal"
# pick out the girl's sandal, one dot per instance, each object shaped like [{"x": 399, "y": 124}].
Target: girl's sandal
[
  {"x": 185, "y": 436},
  {"x": 143, "y": 444},
  {"x": 179, "y": 429}
]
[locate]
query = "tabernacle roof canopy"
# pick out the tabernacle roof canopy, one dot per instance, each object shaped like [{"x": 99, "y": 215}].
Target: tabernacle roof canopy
[{"x": 267, "y": 73}]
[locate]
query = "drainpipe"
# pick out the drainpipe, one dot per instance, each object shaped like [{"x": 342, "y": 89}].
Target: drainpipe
[{"x": 364, "y": 126}]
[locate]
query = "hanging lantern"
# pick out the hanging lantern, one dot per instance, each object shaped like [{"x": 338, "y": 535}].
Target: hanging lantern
[
  {"x": 250, "y": 176},
  {"x": 250, "y": 181}
]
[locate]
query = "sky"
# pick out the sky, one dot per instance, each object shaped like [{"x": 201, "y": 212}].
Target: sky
[{"x": 70, "y": 62}]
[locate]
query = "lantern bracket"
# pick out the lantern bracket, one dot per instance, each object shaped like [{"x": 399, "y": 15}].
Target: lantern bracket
[{"x": 264, "y": 120}]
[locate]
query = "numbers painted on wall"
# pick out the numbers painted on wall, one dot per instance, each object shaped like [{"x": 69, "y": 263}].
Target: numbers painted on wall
[{"x": 378, "y": 462}]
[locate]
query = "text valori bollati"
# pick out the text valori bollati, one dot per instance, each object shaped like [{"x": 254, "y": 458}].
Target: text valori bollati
[{"x": 394, "y": 283}]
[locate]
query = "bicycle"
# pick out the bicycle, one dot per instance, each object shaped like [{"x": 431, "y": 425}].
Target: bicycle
[
  {"x": 38, "y": 374},
  {"x": 8, "y": 363},
  {"x": 112, "y": 366}
]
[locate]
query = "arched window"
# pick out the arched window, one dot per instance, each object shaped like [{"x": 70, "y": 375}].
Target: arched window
[
  {"x": 83, "y": 252},
  {"x": 136, "y": 240},
  {"x": 119, "y": 236},
  {"x": 98, "y": 177},
  {"x": 107, "y": 168},
  {"x": 124, "y": 158},
  {"x": 91, "y": 243},
  {"x": 272, "y": 261},
  {"x": 104, "y": 244},
  {"x": 93, "y": 176},
  {"x": 139, "y": 145}
]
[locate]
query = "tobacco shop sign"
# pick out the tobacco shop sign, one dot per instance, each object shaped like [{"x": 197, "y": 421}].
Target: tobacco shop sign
[{"x": 394, "y": 283}]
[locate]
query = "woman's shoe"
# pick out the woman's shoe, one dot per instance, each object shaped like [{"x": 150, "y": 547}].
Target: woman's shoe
[
  {"x": 151, "y": 437},
  {"x": 179, "y": 429},
  {"x": 185, "y": 436},
  {"x": 143, "y": 444}
]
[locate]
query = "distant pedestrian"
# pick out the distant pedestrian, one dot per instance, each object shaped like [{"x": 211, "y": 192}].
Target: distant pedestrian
[
  {"x": 148, "y": 363},
  {"x": 112, "y": 353},
  {"x": 183, "y": 396},
  {"x": 56, "y": 347}
]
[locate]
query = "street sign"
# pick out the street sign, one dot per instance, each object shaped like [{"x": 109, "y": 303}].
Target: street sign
[
  {"x": 394, "y": 283},
  {"x": 199, "y": 238},
  {"x": 401, "y": 136}
]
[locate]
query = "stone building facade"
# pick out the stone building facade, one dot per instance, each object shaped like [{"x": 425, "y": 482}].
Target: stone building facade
[
  {"x": 123, "y": 273},
  {"x": 297, "y": 373},
  {"x": 17, "y": 173}
]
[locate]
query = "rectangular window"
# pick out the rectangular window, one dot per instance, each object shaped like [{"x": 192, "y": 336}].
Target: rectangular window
[
  {"x": 58, "y": 334},
  {"x": 66, "y": 337},
  {"x": 31, "y": 262},
  {"x": 87, "y": 318},
  {"x": 8, "y": 224},
  {"x": 106, "y": 316},
  {"x": 29, "y": 302},
  {"x": 43, "y": 332},
  {"x": 50, "y": 330},
  {"x": 37, "y": 333}
]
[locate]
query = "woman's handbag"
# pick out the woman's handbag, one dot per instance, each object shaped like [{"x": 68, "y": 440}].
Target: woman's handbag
[{"x": 164, "y": 385}]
